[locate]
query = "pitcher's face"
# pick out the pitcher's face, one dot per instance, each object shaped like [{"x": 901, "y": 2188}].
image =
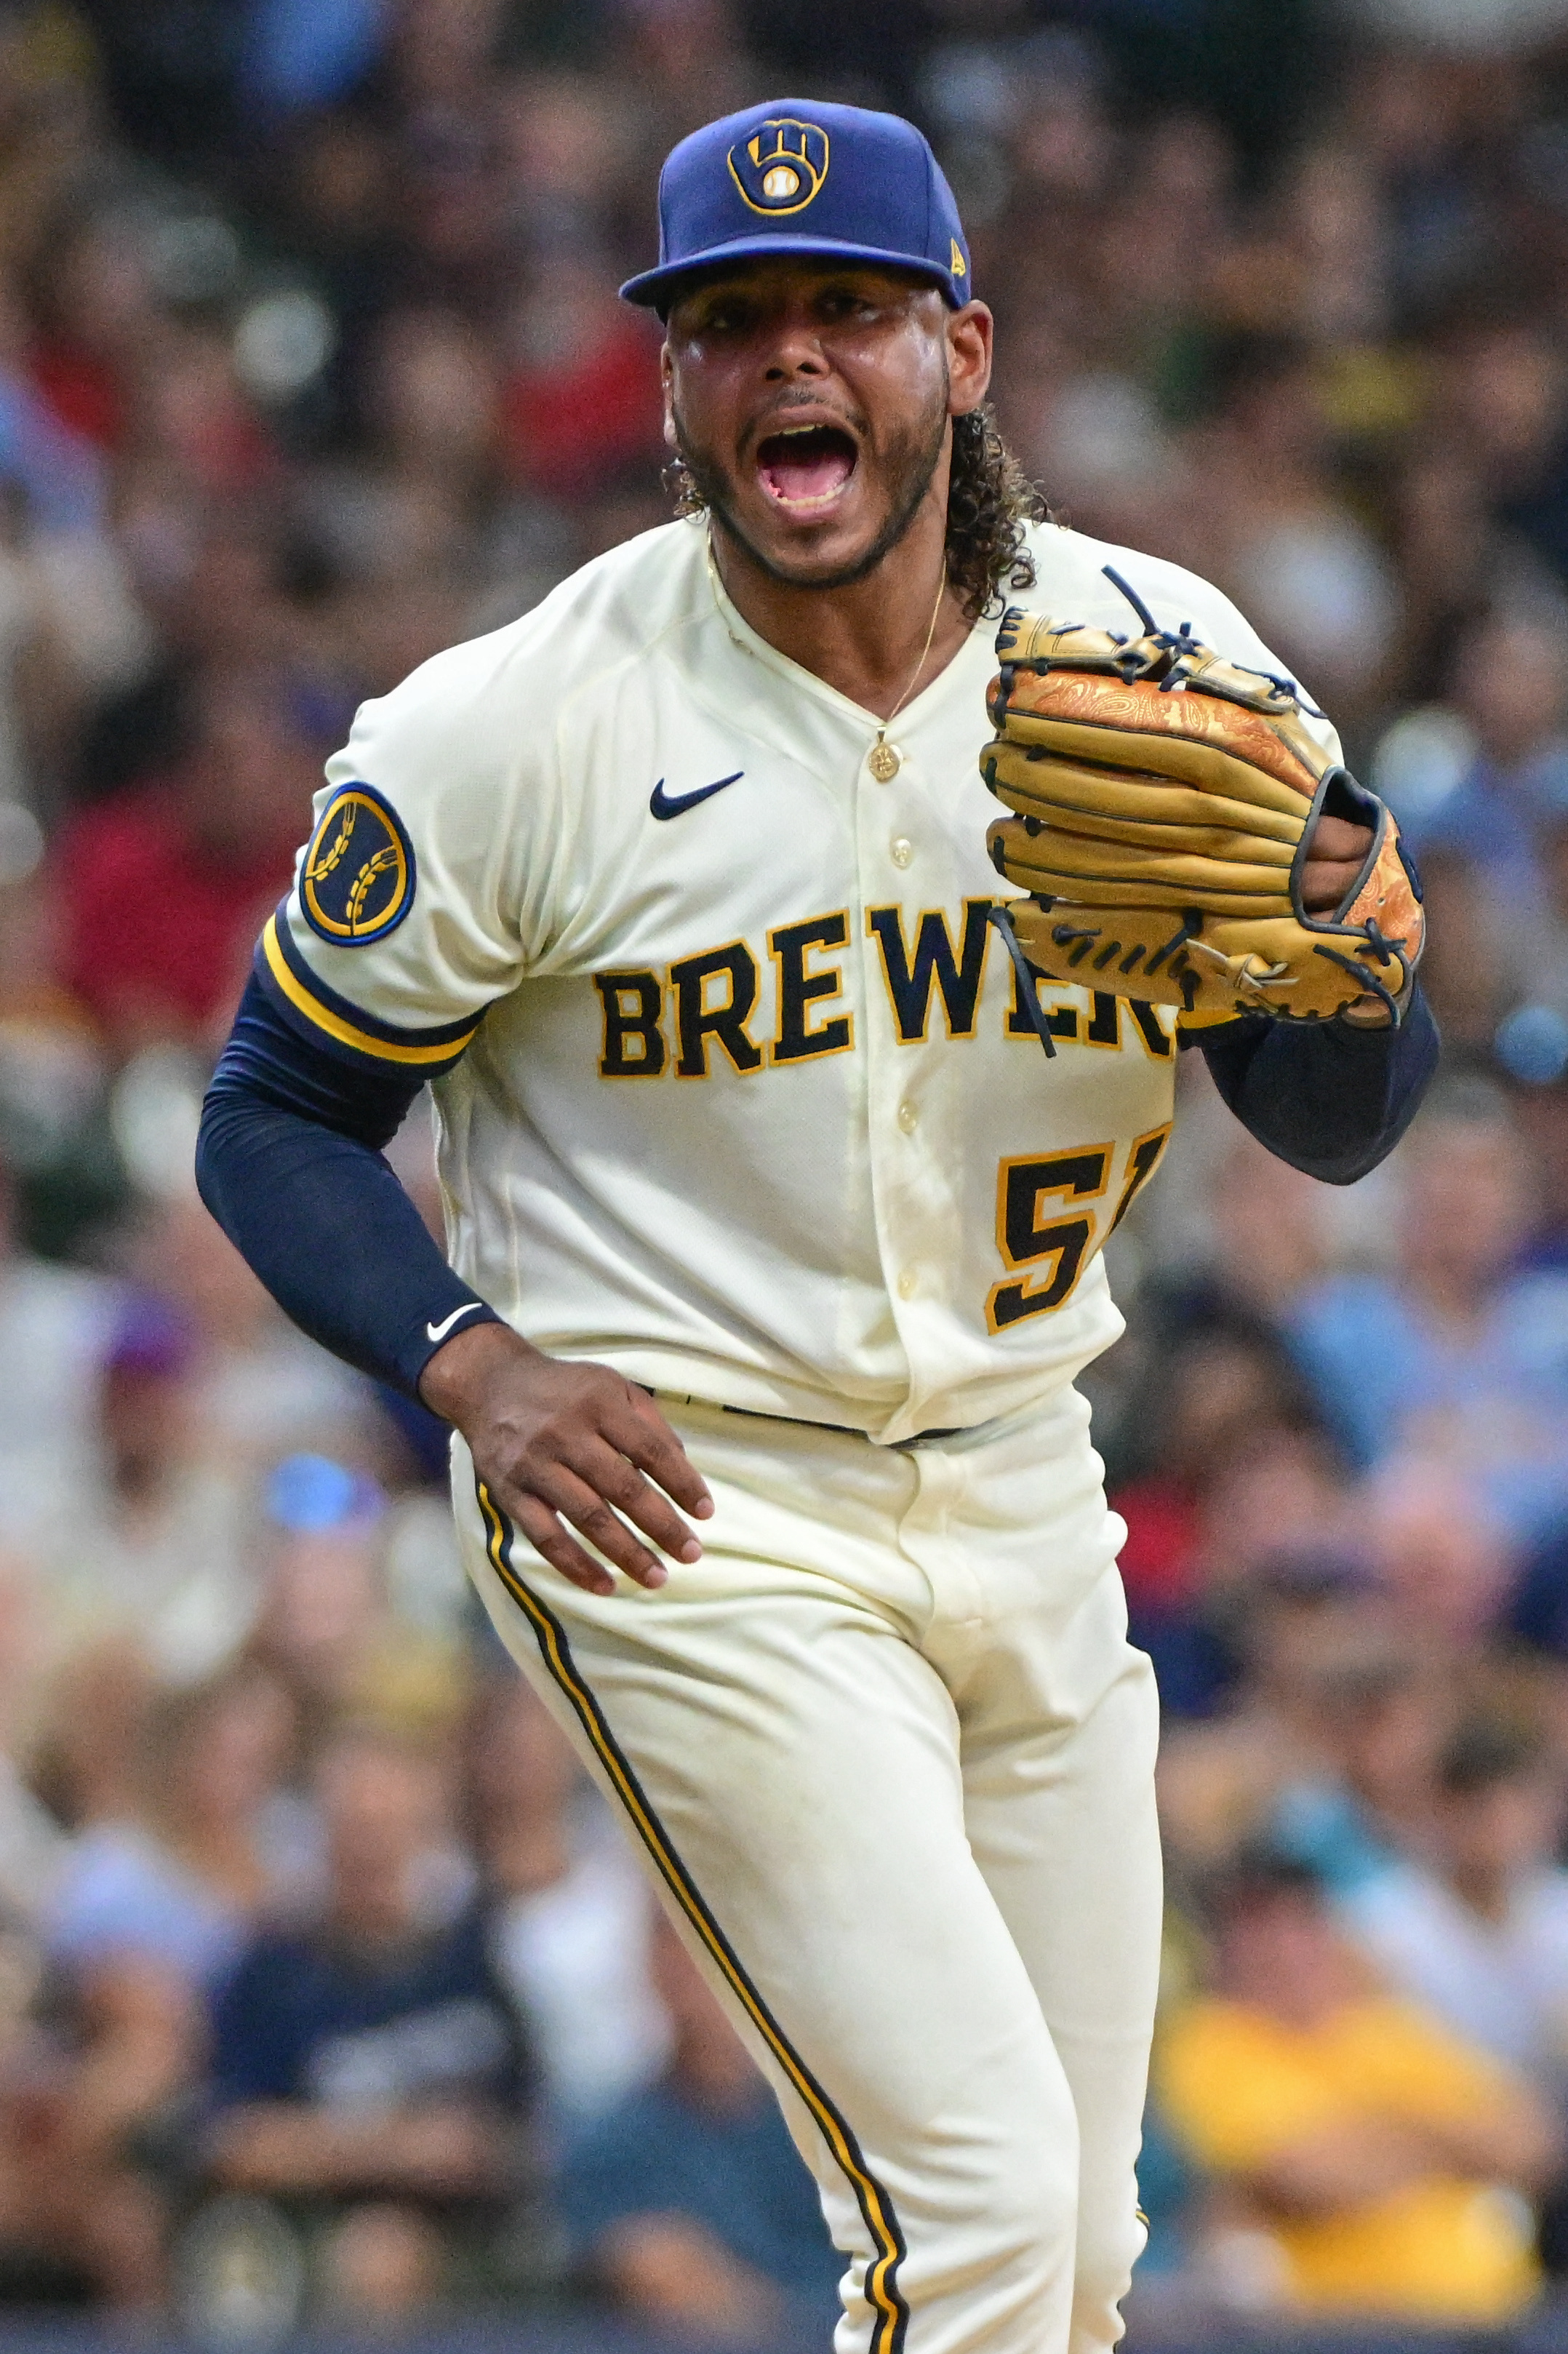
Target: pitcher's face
[{"x": 812, "y": 405}]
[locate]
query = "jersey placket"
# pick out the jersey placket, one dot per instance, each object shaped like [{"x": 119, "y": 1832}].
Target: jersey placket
[
  {"x": 901, "y": 859},
  {"x": 911, "y": 1183}
]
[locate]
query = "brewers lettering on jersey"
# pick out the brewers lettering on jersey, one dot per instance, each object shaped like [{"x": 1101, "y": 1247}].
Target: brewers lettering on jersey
[{"x": 774, "y": 1241}]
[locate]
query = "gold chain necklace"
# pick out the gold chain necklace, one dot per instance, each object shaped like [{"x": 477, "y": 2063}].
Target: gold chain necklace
[{"x": 884, "y": 759}]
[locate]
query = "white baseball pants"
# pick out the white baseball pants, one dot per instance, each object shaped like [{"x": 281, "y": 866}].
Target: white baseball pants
[{"x": 890, "y": 1757}]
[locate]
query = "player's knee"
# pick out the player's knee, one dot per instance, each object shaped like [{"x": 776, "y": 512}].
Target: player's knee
[
  {"x": 1107, "y": 2250},
  {"x": 990, "y": 2262},
  {"x": 1030, "y": 2211}
]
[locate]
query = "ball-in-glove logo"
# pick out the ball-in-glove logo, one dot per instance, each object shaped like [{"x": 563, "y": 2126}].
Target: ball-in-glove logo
[
  {"x": 780, "y": 167},
  {"x": 357, "y": 879}
]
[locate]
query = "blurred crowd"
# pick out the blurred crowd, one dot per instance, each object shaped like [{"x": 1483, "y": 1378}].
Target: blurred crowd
[{"x": 325, "y": 1984}]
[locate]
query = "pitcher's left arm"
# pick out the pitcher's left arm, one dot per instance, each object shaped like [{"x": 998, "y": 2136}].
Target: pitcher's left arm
[{"x": 1328, "y": 1097}]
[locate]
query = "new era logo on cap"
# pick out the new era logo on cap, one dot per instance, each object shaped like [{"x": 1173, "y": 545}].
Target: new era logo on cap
[{"x": 839, "y": 181}]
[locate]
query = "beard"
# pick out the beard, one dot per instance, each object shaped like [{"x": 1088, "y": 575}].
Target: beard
[{"x": 908, "y": 468}]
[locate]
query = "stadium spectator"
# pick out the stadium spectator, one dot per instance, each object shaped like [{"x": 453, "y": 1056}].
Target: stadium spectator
[
  {"x": 327, "y": 1626},
  {"x": 1303, "y": 562},
  {"x": 1356, "y": 2139},
  {"x": 1511, "y": 689},
  {"x": 1450, "y": 1354},
  {"x": 33, "y": 1843},
  {"x": 1364, "y": 1801},
  {"x": 1306, "y": 1628},
  {"x": 1218, "y": 1391},
  {"x": 85, "y": 2073},
  {"x": 1478, "y": 1934},
  {"x": 151, "y": 1539},
  {"x": 55, "y": 1322},
  {"x": 573, "y": 1912},
  {"x": 687, "y": 2205},
  {"x": 214, "y": 841},
  {"x": 181, "y": 1882},
  {"x": 369, "y": 2071},
  {"x": 1444, "y": 1563},
  {"x": 89, "y": 1748}
]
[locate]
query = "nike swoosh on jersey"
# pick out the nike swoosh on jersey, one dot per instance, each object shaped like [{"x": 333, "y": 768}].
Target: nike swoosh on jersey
[
  {"x": 663, "y": 804},
  {"x": 438, "y": 1331}
]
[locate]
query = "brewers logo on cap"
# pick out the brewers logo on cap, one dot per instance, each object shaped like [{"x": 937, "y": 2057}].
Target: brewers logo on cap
[
  {"x": 783, "y": 166},
  {"x": 357, "y": 880},
  {"x": 757, "y": 183}
]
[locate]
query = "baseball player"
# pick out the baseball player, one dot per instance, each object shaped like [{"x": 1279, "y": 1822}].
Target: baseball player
[{"x": 774, "y": 1238}]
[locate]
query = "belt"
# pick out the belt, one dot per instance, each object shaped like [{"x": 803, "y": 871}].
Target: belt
[{"x": 800, "y": 1422}]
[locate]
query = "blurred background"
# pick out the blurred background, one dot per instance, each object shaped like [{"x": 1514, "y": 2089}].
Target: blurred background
[{"x": 329, "y": 1999}]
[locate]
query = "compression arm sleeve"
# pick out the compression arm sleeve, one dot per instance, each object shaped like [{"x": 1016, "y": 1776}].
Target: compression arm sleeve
[
  {"x": 1330, "y": 1099},
  {"x": 290, "y": 1162}
]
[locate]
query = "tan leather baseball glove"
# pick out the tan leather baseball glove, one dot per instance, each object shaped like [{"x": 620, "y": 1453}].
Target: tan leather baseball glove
[{"x": 1164, "y": 800}]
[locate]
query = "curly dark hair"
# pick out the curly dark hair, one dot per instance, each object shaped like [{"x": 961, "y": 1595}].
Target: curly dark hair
[{"x": 990, "y": 500}]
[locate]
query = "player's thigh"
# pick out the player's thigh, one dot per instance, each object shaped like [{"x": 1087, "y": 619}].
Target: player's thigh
[
  {"x": 1060, "y": 1818},
  {"x": 790, "y": 1765},
  {"x": 1059, "y": 1726},
  {"x": 1061, "y": 1823}
]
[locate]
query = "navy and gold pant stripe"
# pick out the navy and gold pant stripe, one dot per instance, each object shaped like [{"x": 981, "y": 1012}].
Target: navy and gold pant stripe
[{"x": 882, "y": 2291}]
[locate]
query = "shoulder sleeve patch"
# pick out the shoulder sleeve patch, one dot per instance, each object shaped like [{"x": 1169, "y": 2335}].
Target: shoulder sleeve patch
[{"x": 357, "y": 881}]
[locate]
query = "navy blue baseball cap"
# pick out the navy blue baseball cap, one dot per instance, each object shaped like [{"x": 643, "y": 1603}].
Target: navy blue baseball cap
[{"x": 790, "y": 178}]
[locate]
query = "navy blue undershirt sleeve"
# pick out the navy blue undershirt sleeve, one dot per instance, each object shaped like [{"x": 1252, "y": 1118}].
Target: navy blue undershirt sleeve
[
  {"x": 1327, "y": 1099},
  {"x": 290, "y": 1162}
]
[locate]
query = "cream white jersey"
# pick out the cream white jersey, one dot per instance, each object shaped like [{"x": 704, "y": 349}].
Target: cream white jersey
[{"x": 734, "y": 1088}]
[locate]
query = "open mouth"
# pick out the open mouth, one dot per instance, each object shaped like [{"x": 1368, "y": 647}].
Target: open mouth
[{"x": 806, "y": 465}]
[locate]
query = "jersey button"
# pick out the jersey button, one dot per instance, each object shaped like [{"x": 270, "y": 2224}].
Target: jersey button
[
  {"x": 907, "y": 1117},
  {"x": 906, "y": 1283},
  {"x": 903, "y": 849}
]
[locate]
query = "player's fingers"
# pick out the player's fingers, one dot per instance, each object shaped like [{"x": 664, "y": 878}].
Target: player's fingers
[
  {"x": 1339, "y": 838},
  {"x": 1335, "y": 856},
  {"x": 577, "y": 1500},
  {"x": 641, "y": 1433},
  {"x": 549, "y": 1538},
  {"x": 620, "y": 1481},
  {"x": 1325, "y": 882}
]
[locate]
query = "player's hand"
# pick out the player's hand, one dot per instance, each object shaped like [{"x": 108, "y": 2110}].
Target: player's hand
[
  {"x": 563, "y": 1446},
  {"x": 1335, "y": 856}
]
